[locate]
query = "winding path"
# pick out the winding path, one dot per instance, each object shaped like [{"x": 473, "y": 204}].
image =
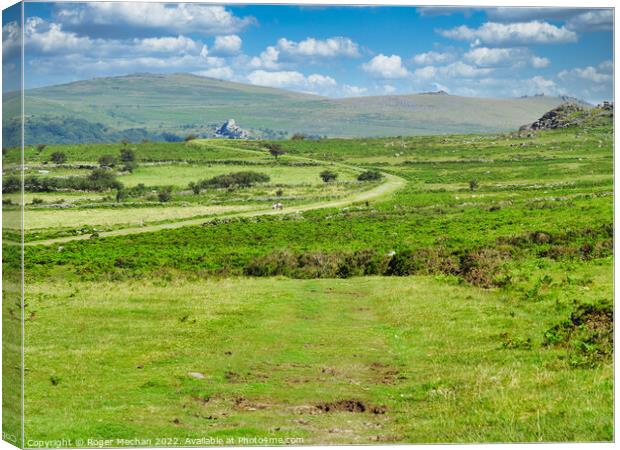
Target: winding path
[{"x": 391, "y": 184}]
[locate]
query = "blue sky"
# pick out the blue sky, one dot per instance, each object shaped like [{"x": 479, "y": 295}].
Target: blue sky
[{"x": 331, "y": 51}]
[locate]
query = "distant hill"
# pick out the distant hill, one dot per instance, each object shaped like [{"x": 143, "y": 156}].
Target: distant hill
[{"x": 161, "y": 106}]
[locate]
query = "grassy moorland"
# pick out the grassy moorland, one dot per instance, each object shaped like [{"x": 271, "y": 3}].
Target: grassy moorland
[
  {"x": 474, "y": 304},
  {"x": 169, "y": 106}
]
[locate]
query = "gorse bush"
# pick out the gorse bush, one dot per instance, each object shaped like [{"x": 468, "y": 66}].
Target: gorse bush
[
  {"x": 587, "y": 335},
  {"x": 237, "y": 179},
  {"x": 98, "y": 180},
  {"x": 370, "y": 175}
]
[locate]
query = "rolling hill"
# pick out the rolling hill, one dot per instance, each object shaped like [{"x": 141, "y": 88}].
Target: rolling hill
[{"x": 170, "y": 106}]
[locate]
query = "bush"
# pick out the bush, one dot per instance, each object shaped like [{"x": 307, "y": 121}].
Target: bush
[
  {"x": 328, "y": 175},
  {"x": 165, "y": 194},
  {"x": 58, "y": 158},
  {"x": 370, "y": 175},
  {"x": 37, "y": 201},
  {"x": 237, "y": 179},
  {"x": 587, "y": 335},
  {"x": 107, "y": 161},
  {"x": 127, "y": 155}
]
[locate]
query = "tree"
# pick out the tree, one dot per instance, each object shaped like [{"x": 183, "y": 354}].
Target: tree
[
  {"x": 328, "y": 175},
  {"x": 298, "y": 137},
  {"x": 165, "y": 194},
  {"x": 275, "y": 150},
  {"x": 107, "y": 161},
  {"x": 127, "y": 155},
  {"x": 102, "y": 179},
  {"x": 473, "y": 185},
  {"x": 40, "y": 148},
  {"x": 59, "y": 158},
  {"x": 195, "y": 187}
]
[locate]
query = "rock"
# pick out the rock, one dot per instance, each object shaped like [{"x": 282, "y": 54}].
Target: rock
[
  {"x": 231, "y": 130},
  {"x": 197, "y": 375}
]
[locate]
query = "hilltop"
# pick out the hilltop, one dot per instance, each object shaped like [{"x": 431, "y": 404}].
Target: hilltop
[
  {"x": 171, "y": 106},
  {"x": 573, "y": 115}
]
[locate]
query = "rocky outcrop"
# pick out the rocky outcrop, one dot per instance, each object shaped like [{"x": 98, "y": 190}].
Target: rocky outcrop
[
  {"x": 573, "y": 115},
  {"x": 556, "y": 118},
  {"x": 231, "y": 130}
]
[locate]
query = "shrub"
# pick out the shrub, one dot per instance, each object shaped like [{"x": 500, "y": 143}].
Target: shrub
[
  {"x": 473, "y": 185},
  {"x": 58, "y": 158},
  {"x": 328, "y": 175},
  {"x": 165, "y": 194},
  {"x": 481, "y": 267},
  {"x": 237, "y": 179},
  {"x": 37, "y": 201},
  {"x": 107, "y": 161},
  {"x": 587, "y": 335},
  {"x": 127, "y": 155},
  {"x": 195, "y": 187},
  {"x": 370, "y": 175}
]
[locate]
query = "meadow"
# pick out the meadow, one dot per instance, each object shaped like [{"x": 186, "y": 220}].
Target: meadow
[{"x": 465, "y": 295}]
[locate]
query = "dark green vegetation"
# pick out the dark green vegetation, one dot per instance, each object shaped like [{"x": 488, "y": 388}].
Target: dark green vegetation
[
  {"x": 130, "y": 107},
  {"x": 450, "y": 311}
]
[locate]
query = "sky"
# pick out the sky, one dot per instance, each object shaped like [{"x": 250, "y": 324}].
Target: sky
[{"x": 331, "y": 51}]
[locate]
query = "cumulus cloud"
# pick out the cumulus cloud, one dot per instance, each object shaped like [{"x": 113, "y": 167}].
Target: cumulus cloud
[
  {"x": 352, "y": 91},
  {"x": 268, "y": 59},
  {"x": 382, "y": 66},
  {"x": 595, "y": 20},
  {"x": 521, "y": 33},
  {"x": 589, "y": 73},
  {"x": 504, "y": 57},
  {"x": 538, "y": 62},
  {"x": 457, "y": 69},
  {"x": 432, "y": 57},
  {"x": 227, "y": 45},
  {"x": 290, "y": 79},
  {"x": 327, "y": 48},
  {"x": 221, "y": 73},
  {"x": 97, "y": 18}
]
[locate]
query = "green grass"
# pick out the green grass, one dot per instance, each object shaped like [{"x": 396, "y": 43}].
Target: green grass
[
  {"x": 428, "y": 351},
  {"x": 449, "y": 361},
  {"x": 181, "y": 175}
]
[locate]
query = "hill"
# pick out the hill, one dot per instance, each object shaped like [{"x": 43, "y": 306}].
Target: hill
[
  {"x": 569, "y": 115},
  {"x": 157, "y": 106}
]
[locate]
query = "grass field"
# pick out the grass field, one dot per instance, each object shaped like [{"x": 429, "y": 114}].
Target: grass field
[{"x": 465, "y": 296}]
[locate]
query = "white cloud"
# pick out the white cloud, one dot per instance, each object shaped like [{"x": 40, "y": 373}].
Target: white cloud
[
  {"x": 228, "y": 45},
  {"x": 457, "y": 69},
  {"x": 41, "y": 36},
  {"x": 388, "y": 89},
  {"x": 290, "y": 79},
  {"x": 352, "y": 91},
  {"x": 179, "y": 18},
  {"x": 268, "y": 59},
  {"x": 432, "y": 57},
  {"x": 504, "y": 57},
  {"x": 538, "y": 62},
  {"x": 328, "y": 48},
  {"x": 425, "y": 73},
  {"x": 221, "y": 73},
  {"x": 382, "y": 66},
  {"x": 522, "y": 33},
  {"x": 596, "y": 20},
  {"x": 179, "y": 44},
  {"x": 589, "y": 73}
]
